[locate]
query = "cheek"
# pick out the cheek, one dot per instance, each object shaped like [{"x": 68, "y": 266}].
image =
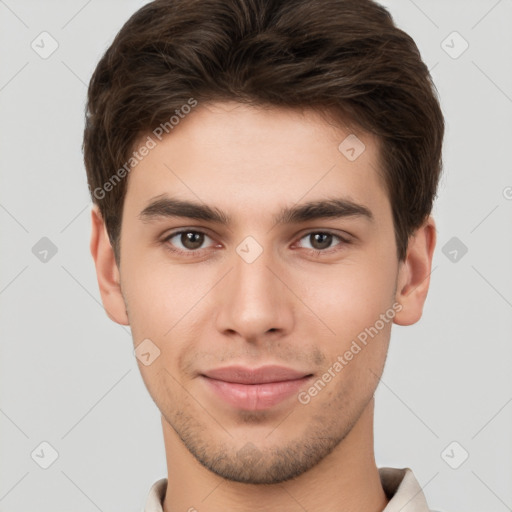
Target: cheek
[
  {"x": 161, "y": 296},
  {"x": 350, "y": 297},
  {"x": 168, "y": 306}
]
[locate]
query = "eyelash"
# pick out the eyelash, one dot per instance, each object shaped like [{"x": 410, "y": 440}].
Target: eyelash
[{"x": 195, "y": 253}]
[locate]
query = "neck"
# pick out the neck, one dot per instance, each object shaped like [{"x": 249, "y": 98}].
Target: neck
[{"x": 347, "y": 480}]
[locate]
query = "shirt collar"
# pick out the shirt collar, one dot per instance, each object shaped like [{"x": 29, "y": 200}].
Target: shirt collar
[
  {"x": 403, "y": 491},
  {"x": 400, "y": 486}
]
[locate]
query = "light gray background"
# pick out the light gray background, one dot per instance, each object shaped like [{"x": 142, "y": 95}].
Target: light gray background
[{"x": 68, "y": 374}]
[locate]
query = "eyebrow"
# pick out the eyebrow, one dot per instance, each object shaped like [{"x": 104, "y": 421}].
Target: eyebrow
[{"x": 164, "y": 206}]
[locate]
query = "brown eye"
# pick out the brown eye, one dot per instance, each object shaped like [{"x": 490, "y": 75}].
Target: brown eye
[
  {"x": 186, "y": 241},
  {"x": 322, "y": 241},
  {"x": 192, "y": 239}
]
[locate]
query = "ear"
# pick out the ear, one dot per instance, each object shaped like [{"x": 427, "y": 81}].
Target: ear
[
  {"x": 414, "y": 274},
  {"x": 107, "y": 272}
]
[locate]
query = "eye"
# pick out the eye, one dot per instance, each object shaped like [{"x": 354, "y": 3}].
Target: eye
[
  {"x": 190, "y": 240},
  {"x": 321, "y": 241}
]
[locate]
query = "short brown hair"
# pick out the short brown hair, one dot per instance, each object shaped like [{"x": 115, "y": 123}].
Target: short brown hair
[{"x": 345, "y": 57}]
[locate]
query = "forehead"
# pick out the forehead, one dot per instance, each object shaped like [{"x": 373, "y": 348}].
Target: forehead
[{"x": 255, "y": 158}]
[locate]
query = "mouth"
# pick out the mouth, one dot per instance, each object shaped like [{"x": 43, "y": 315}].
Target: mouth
[{"x": 254, "y": 389}]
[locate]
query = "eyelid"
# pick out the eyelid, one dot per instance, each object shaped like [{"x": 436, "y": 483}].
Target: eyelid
[{"x": 343, "y": 235}]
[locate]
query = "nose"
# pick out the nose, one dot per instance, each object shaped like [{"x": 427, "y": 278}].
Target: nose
[{"x": 254, "y": 300}]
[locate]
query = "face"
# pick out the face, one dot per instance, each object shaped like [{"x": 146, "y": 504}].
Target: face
[{"x": 255, "y": 313}]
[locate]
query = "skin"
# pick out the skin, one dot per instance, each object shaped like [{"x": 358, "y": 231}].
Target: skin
[{"x": 290, "y": 306}]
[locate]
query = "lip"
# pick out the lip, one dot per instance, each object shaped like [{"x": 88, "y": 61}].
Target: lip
[{"x": 254, "y": 389}]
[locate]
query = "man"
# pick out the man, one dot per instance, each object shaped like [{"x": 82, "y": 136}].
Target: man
[{"x": 263, "y": 174}]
